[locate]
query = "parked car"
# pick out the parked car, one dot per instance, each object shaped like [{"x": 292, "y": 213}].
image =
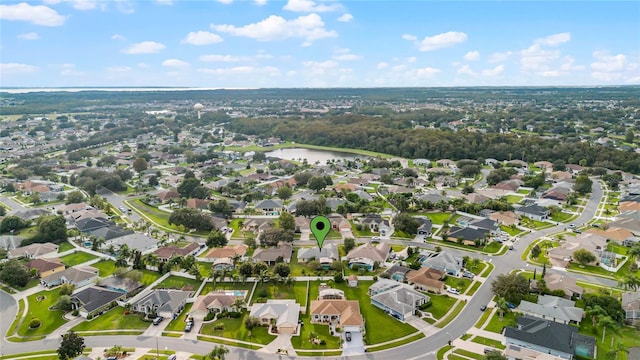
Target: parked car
[
  {"x": 453, "y": 291},
  {"x": 347, "y": 335},
  {"x": 188, "y": 327},
  {"x": 483, "y": 307},
  {"x": 157, "y": 320}
]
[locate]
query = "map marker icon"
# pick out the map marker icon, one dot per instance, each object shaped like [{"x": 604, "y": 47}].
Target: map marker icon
[{"x": 320, "y": 227}]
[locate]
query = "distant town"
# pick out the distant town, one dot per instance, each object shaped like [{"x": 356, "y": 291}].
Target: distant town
[{"x": 466, "y": 223}]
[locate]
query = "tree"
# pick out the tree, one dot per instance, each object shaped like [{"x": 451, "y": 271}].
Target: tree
[
  {"x": 606, "y": 322},
  {"x": 250, "y": 322},
  {"x": 583, "y": 184},
  {"x": 12, "y": 223},
  {"x": 221, "y": 206},
  {"x": 513, "y": 287},
  {"x": 66, "y": 289},
  {"x": 285, "y": 192},
  {"x": 259, "y": 268},
  {"x": 282, "y": 269},
  {"x": 630, "y": 282},
  {"x": 74, "y": 197},
  {"x": 71, "y": 346},
  {"x": 63, "y": 303},
  {"x": 218, "y": 353},
  {"x": 629, "y": 136},
  {"x": 246, "y": 269},
  {"x": 584, "y": 257},
  {"x": 271, "y": 237},
  {"x": 51, "y": 229},
  {"x": 153, "y": 180},
  {"x": 287, "y": 221},
  {"x": 535, "y": 251},
  {"x": 317, "y": 183},
  {"x": 495, "y": 355},
  {"x": 406, "y": 223},
  {"x": 140, "y": 165},
  {"x": 216, "y": 238},
  {"x": 15, "y": 273},
  {"x": 191, "y": 219},
  {"x": 349, "y": 244}
]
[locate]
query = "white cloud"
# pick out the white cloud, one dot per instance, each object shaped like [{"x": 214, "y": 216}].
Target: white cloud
[
  {"x": 346, "y": 17},
  {"x": 77, "y": 4},
  {"x": 347, "y": 57},
  {"x": 536, "y": 59},
  {"x": 117, "y": 37},
  {"x": 175, "y": 63},
  {"x": 382, "y": 65},
  {"x": 226, "y": 2},
  {"x": 613, "y": 68},
  {"x": 70, "y": 70},
  {"x": 7, "y": 69},
  {"x": 308, "y": 27},
  {"x": 242, "y": 70},
  {"x": 412, "y": 59},
  {"x": 465, "y": 70},
  {"x": 118, "y": 69},
  {"x": 311, "y": 6},
  {"x": 142, "y": 65},
  {"x": 554, "y": 40},
  {"x": 427, "y": 72},
  {"x": 472, "y": 55},
  {"x": 499, "y": 56},
  {"x": 38, "y": 14},
  {"x": 164, "y": 2},
  {"x": 29, "y": 36},
  {"x": 125, "y": 6},
  {"x": 494, "y": 71},
  {"x": 430, "y": 43},
  {"x": 568, "y": 64},
  {"x": 223, "y": 58},
  {"x": 145, "y": 47},
  {"x": 202, "y": 38},
  {"x": 260, "y": 2}
]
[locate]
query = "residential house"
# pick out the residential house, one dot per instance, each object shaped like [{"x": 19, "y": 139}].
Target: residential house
[
  {"x": 396, "y": 272},
  {"x": 68, "y": 209},
  {"x": 34, "y": 251},
  {"x": 340, "y": 312},
  {"x": 596, "y": 244},
  {"x": 326, "y": 256},
  {"x": 215, "y": 302},
  {"x": 228, "y": 252},
  {"x": 280, "y": 315},
  {"x": 425, "y": 227},
  {"x": 467, "y": 234},
  {"x": 506, "y": 218},
  {"x": 110, "y": 232},
  {"x": 165, "y": 303},
  {"x": 513, "y": 352},
  {"x": 444, "y": 261},
  {"x": 550, "y": 337},
  {"x": 46, "y": 267},
  {"x": 193, "y": 203},
  {"x": 339, "y": 223},
  {"x": 78, "y": 276},
  {"x": 327, "y": 293},
  {"x": 269, "y": 207},
  {"x": 30, "y": 214},
  {"x": 352, "y": 281},
  {"x": 135, "y": 241},
  {"x": 552, "y": 308},
  {"x": 612, "y": 233},
  {"x": 166, "y": 252},
  {"x": 366, "y": 255},
  {"x": 396, "y": 299},
  {"x": 93, "y": 300},
  {"x": 534, "y": 212},
  {"x": 120, "y": 284},
  {"x": 168, "y": 196},
  {"x": 271, "y": 254},
  {"x": 631, "y": 307},
  {"x": 426, "y": 279},
  {"x": 374, "y": 222},
  {"x": 562, "y": 281}
]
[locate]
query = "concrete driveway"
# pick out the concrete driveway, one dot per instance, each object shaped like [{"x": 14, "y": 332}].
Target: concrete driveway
[{"x": 353, "y": 347}]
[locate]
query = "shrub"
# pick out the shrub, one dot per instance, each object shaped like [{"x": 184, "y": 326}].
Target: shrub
[
  {"x": 323, "y": 342},
  {"x": 35, "y": 323},
  {"x": 210, "y": 316},
  {"x": 75, "y": 312},
  {"x": 218, "y": 327}
]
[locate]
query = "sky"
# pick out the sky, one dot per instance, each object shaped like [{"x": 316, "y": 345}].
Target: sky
[{"x": 318, "y": 43}]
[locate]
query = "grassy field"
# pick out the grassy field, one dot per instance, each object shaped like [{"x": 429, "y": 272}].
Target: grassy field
[
  {"x": 179, "y": 282},
  {"x": 272, "y": 291},
  {"x": 408, "y": 340},
  {"x": 439, "y": 217},
  {"x": 209, "y": 287},
  {"x": 459, "y": 283},
  {"x": 114, "y": 319},
  {"x": 468, "y": 354},
  {"x": 234, "y": 329},
  {"x": 452, "y": 315},
  {"x": 514, "y": 199},
  {"x": 39, "y": 305},
  {"x": 106, "y": 267},
  {"x": 77, "y": 258},
  {"x": 509, "y": 230},
  {"x": 495, "y": 325},
  {"x": 65, "y": 246},
  {"x": 440, "y": 305},
  {"x": 561, "y": 216},
  {"x": 149, "y": 277}
]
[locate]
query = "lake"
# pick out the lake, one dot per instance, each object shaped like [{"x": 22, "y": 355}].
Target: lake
[{"x": 312, "y": 155}]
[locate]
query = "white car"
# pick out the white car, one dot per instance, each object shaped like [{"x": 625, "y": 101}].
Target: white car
[{"x": 453, "y": 291}]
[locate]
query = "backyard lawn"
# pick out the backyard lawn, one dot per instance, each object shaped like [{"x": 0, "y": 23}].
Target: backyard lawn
[
  {"x": 234, "y": 329},
  {"x": 106, "y": 267},
  {"x": 272, "y": 291},
  {"x": 149, "y": 277},
  {"x": 77, "y": 258},
  {"x": 180, "y": 283},
  {"x": 626, "y": 335},
  {"x": 209, "y": 287},
  {"x": 114, "y": 319},
  {"x": 38, "y": 307},
  {"x": 65, "y": 246},
  {"x": 439, "y": 217}
]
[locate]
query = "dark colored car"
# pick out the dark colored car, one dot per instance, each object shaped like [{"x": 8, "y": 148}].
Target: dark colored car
[
  {"x": 188, "y": 327},
  {"x": 157, "y": 320},
  {"x": 347, "y": 335},
  {"x": 483, "y": 307}
]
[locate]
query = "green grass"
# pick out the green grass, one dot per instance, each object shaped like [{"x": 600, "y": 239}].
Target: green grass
[
  {"x": 478, "y": 268},
  {"x": 319, "y": 331},
  {"x": 488, "y": 270},
  {"x": 440, "y": 305},
  {"x": 469, "y": 354},
  {"x": 524, "y": 191},
  {"x": 439, "y": 217},
  {"x": 452, "y": 315},
  {"x": 229, "y": 342},
  {"x": 29, "y": 355},
  {"x": 561, "y": 216},
  {"x": 272, "y": 291},
  {"x": 598, "y": 289},
  {"x": 483, "y": 318},
  {"x": 179, "y": 282},
  {"x": 179, "y": 323},
  {"x": 51, "y": 319},
  {"x": 114, "y": 319},
  {"x": 509, "y": 230},
  {"x": 77, "y": 258},
  {"x": 234, "y": 329},
  {"x": 514, "y": 199},
  {"x": 149, "y": 277},
  {"x": 626, "y": 335},
  {"x": 495, "y": 325},
  {"x": 209, "y": 287},
  {"x": 316, "y": 354},
  {"x": 489, "y": 342},
  {"x": 456, "y": 357},
  {"x": 390, "y": 345},
  {"x": 106, "y": 267},
  {"x": 474, "y": 288},
  {"x": 65, "y": 246},
  {"x": 443, "y": 350},
  {"x": 14, "y": 324},
  {"x": 459, "y": 283}
]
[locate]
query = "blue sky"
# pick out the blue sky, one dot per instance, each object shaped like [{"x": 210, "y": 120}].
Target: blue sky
[{"x": 315, "y": 43}]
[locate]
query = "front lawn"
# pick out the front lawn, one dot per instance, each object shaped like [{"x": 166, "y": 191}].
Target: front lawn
[
  {"x": 65, "y": 246},
  {"x": 117, "y": 318},
  {"x": 234, "y": 329},
  {"x": 106, "y": 267},
  {"x": 179, "y": 323},
  {"x": 314, "y": 331},
  {"x": 561, "y": 216},
  {"x": 459, "y": 283},
  {"x": 77, "y": 258},
  {"x": 39, "y": 305},
  {"x": 180, "y": 283},
  {"x": 514, "y": 199},
  {"x": 495, "y": 325},
  {"x": 440, "y": 305},
  {"x": 509, "y": 230}
]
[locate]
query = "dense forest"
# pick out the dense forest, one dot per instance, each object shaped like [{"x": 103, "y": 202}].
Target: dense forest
[{"x": 396, "y": 138}]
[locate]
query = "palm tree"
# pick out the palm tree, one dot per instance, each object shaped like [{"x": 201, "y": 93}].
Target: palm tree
[
  {"x": 595, "y": 312},
  {"x": 630, "y": 282},
  {"x": 501, "y": 305},
  {"x": 218, "y": 353},
  {"x": 124, "y": 251},
  {"x": 239, "y": 304},
  {"x": 121, "y": 261},
  {"x": 606, "y": 322},
  {"x": 151, "y": 259},
  {"x": 617, "y": 350},
  {"x": 634, "y": 252}
]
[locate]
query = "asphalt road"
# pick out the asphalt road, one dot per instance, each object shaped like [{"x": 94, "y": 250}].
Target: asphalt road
[
  {"x": 118, "y": 201},
  {"x": 422, "y": 349},
  {"x": 12, "y": 204}
]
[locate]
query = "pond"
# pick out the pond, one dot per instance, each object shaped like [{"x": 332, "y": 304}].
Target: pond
[{"x": 312, "y": 156}]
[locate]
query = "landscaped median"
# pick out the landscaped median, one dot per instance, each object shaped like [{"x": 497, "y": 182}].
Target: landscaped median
[{"x": 39, "y": 306}]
